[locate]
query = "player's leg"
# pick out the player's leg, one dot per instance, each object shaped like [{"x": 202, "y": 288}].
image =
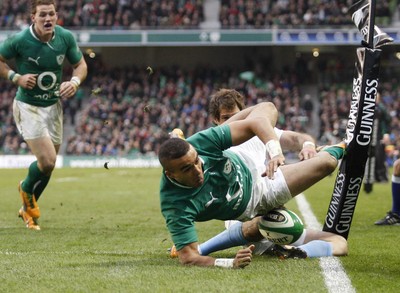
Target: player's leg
[
  {"x": 318, "y": 243},
  {"x": 40, "y": 170},
  {"x": 314, "y": 243},
  {"x": 42, "y": 130},
  {"x": 393, "y": 216},
  {"x": 302, "y": 175},
  {"x": 396, "y": 187}
]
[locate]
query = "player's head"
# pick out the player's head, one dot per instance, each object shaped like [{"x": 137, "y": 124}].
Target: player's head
[
  {"x": 44, "y": 16},
  {"x": 224, "y": 104},
  {"x": 181, "y": 162}
]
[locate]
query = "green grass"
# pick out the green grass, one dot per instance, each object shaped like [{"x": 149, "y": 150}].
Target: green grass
[{"x": 102, "y": 231}]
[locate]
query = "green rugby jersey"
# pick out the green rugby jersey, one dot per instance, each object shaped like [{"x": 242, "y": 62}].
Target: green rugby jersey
[
  {"x": 224, "y": 195},
  {"x": 45, "y": 59}
]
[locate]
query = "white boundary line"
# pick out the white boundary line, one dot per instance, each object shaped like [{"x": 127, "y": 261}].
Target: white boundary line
[{"x": 336, "y": 279}]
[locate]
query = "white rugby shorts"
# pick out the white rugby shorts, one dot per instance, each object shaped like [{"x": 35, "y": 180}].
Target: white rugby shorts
[
  {"x": 266, "y": 193},
  {"x": 35, "y": 122}
]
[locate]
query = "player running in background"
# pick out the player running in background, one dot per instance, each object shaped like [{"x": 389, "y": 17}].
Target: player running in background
[
  {"x": 39, "y": 52},
  {"x": 203, "y": 180},
  {"x": 393, "y": 216}
]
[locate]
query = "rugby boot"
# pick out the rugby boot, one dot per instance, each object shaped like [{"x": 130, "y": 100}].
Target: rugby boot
[
  {"x": 28, "y": 220},
  {"x": 390, "y": 219},
  {"x": 173, "y": 253},
  {"x": 286, "y": 251}
]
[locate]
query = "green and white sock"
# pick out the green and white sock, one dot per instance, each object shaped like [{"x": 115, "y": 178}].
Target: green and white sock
[
  {"x": 34, "y": 176},
  {"x": 335, "y": 151}
]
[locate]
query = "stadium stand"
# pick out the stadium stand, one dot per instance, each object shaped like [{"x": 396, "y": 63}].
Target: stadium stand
[
  {"x": 131, "y": 113},
  {"x": 110, "y": 14},
  {"x": 189, "y": 14},
  {"x": 134, "y": 114},
  {"x": 10, "y": 140},
  {"x": 293, "y": 13}
]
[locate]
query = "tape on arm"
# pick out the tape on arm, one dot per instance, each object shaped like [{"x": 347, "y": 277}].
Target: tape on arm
[
  {"x": 308, "y": 143},
  {"x": 13, "y": 76},
  {"x": 273, "y": 148},
  {"x": 224, "y": 262},
  {"x": 76, "y": 81}
]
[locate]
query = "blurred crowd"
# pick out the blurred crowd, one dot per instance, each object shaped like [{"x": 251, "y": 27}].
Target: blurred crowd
[
  {"x": 293, "y": 13},
  {"x": 130, "y": 111},
  {"x": 110, "y": 14},
  {"x": 10, "y": 140},
  {"x": 125, "y": 111},
  {"x": 159, "y": 14}
]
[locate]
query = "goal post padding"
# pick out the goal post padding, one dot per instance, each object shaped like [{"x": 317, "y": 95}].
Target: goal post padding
[{"x": 359, "y": 133}]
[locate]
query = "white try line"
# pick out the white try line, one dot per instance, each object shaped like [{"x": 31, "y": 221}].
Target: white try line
[{"x": 336, "y": 279}]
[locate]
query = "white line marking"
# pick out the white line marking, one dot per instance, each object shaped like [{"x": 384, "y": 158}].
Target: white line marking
[
  {"x": 66, "y": 179},
  {"x": 336, "y": 279}
]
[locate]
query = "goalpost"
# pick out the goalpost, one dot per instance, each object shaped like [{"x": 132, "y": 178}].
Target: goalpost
[{"x": 359, "y": 135}]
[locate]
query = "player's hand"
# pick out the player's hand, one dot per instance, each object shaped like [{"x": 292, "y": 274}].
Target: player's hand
[
  {"x": 307, "y": 152},
  {"x": 243, "y": 257},
  {"x": 273, "y": 165},
  {"x": 27, "y": 81},
  {"x": 68, "y": 89}
]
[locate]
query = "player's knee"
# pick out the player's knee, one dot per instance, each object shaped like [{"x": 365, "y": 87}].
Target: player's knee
[
  {"x": 330, "y": 164},
  {"x": 340, "y": 246},
  {"x": 47, "y": 165}
]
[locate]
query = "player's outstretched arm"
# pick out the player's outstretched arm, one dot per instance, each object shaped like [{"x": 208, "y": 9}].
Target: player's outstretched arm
[{"x": 189, "y": 255}]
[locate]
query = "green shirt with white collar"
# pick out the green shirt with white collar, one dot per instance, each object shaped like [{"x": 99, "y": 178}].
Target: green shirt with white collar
[
  {"x": 43, "y": 58},
  {"x": 224, "y": 195}
]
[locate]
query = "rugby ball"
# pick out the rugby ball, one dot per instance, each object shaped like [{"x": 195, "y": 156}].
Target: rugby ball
[{"x": 281, "y": 226}]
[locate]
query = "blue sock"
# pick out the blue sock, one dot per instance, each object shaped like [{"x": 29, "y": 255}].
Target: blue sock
[
  {"x": 317, "y": 248},
  {"x": 229, "y": 238},
  {"x": 396, "y": 194}
]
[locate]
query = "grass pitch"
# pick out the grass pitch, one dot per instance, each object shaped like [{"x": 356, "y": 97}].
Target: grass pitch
[{"x": 102, "y": 231}]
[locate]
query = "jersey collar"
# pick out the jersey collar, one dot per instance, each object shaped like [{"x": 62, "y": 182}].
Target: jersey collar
[{"x": 34, "y": 34}]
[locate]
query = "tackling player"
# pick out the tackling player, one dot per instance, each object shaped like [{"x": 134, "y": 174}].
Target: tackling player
[
  {"x": 203, "y": 180},
  {"x": 223, "y": 105},
  {"x": 39, "y": 53}
]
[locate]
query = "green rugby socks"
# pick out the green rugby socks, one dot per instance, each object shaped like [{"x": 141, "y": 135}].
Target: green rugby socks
[
  {"x": 36, "y": 181},
  {"x": 336, "y": 151}
]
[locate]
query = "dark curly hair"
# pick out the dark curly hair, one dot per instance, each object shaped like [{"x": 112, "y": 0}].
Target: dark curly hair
[
  {"x": 173, "y": 148},
  {"x": 225, "y": 99}
]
